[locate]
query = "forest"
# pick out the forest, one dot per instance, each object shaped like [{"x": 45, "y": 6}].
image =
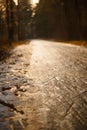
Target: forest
[
  {"x": 43, "y": 64},
  {"x": 50, "y": 19}
]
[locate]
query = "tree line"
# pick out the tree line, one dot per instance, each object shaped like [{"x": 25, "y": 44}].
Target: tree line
[
  {"x": 56, "y": 19},
  {"x": 61, "y": 19}
]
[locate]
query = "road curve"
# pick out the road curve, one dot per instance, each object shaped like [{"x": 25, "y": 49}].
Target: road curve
[
  {"x": 51, "y": 59},
  {"x": 61, "y": 72},
  {"x": 43, "y": 86}
]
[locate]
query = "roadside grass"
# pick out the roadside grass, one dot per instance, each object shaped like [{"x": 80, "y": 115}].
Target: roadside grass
[
  {"x": 78, "y": 43},
  {"x": 9, "y": 46},
  {"x": 73, "y": 42}
]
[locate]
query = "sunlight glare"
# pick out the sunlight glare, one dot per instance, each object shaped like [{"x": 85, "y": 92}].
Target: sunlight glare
[
  {"x": 34, "y": 1},
  {"x": 16, "y": 2}
]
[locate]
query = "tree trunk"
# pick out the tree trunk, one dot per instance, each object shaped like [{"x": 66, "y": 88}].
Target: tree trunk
[{"x": 9, "y": 13}]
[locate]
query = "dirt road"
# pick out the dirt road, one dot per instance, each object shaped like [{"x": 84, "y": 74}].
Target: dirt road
[{"x": 43, "y": 86}]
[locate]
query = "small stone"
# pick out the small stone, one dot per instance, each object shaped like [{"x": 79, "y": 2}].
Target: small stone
[
  {"x": 57, "y": 78},
  {"x": 5, "y": 93},
  {"x": 20, "y": 55}
]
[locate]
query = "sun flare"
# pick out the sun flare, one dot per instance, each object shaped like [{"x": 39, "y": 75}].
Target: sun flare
[
  {"x": 34, "y": 1},
  {"x": 16, "y": 2}
]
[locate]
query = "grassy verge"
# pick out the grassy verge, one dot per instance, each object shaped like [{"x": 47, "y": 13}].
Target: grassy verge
[{"x": 78, "y": 43}]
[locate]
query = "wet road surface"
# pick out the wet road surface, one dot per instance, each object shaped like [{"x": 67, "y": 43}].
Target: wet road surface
[{"x": 43, "y": 86}]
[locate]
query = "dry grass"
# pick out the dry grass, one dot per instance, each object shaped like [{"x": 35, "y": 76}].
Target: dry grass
[
  {"x": 74, "y": 42},
  {"x": 79, "y": 43},
  {"x": 7, "y": 46}
]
